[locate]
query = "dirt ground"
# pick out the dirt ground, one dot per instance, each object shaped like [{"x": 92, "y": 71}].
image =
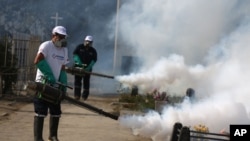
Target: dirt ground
[{"x": 76, "y": 123}]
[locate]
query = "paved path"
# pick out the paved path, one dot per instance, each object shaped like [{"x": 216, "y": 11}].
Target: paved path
[{"x": 76, "y": 124}]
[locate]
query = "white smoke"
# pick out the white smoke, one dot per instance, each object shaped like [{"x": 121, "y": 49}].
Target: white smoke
[
  {"x": 197, "y": 43},
  {"x": 170, "y": 74}
]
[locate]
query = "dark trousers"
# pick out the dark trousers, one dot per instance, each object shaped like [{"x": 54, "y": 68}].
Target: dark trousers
[
  {"x": 78, "y": 85},
  {"x": 42, "y": 107}
]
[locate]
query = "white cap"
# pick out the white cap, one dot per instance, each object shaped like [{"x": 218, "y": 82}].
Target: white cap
[
  {"x": 89, "y": 38},
  {"x": 60, "y": 30}
]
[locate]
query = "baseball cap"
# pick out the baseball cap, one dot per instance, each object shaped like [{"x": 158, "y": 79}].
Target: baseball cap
[
  {"x": 89, "y": 38},
  {"x": 60, "y": 30}
]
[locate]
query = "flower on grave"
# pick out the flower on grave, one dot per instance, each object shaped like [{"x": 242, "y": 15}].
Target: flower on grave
[
  {"x": 201, "y": 128},
  {"x": 160, "y": 96}
]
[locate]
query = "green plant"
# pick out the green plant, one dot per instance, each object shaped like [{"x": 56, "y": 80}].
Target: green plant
[{"x": 138, "y": 102}]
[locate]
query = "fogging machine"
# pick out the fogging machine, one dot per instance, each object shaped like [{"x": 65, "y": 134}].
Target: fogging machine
[{"x": 54, "y": 95}]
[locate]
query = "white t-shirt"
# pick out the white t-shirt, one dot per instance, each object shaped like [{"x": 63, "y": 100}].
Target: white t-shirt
[{"x": 54, "y": 56}]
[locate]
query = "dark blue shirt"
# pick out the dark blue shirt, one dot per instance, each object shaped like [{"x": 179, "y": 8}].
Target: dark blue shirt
[{"x": 86, "y": 54}]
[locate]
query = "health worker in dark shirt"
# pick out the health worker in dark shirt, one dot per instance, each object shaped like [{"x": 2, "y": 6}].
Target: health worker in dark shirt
[{"x": 85, "y": 56}]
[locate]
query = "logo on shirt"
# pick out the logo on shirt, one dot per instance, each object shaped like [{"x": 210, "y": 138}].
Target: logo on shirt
[{"x": 58, "y": 57}]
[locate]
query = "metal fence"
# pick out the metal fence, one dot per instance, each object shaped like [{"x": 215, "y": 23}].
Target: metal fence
[
  {"x": 24, "y": 47},
  {"x": 184, "y": 133}
]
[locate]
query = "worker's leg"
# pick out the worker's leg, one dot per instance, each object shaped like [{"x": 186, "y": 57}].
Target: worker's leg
[
  {"x": 41, "y": 111},
  {"x": 86, "y": 85},
  {"x": 55, "y": 114},
  {"x": 77, "y": 87}
]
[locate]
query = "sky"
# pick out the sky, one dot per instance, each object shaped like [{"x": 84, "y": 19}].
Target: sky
[{"x": 197, "y": 43}]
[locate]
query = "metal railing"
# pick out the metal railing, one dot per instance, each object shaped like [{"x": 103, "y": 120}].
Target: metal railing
[
  {"x": 183, "y": 133},
  {"x": 23, "y": 47}
]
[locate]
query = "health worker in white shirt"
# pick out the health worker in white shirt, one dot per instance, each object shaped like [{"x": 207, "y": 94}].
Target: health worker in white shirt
[{"x": 51, "y": 58}]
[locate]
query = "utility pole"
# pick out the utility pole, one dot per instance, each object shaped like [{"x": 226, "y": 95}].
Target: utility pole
[
  {"x": 116, "y": 35},
  {"x": 56, "y": 18}
]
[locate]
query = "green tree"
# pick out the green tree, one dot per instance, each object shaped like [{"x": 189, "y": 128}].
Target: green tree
[{"x": 8, "y": 70}]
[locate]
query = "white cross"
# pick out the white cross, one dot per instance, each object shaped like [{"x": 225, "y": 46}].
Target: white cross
[{"x": 56, "y": 18}]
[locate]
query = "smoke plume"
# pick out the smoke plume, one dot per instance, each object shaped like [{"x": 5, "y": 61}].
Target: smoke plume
[{"x": 199, "y": 44}]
